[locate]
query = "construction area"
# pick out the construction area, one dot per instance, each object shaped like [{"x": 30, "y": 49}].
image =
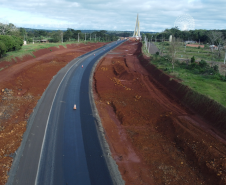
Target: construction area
[
  {"x": 22, "y": 84},
  {"x": 153, "y": 136}
]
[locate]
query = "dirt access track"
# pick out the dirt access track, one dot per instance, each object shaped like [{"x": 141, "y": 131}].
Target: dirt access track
[
  {"x": 21, "y": 86},
  {"x": 152, "y": 136}
]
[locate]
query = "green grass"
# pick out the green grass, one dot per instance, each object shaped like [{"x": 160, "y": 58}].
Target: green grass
[
  {"x": 30, "y": 48},
  {"x": 200, "y": 54},
  {"x": 202, "y": 83},
  {"x": 145, "y": 51}
]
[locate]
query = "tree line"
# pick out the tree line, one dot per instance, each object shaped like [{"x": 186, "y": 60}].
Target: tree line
[
  {"x": 199, "y": 35},
  {"x": 68, "y": 35},
  {"x": 11, "y": 37}
]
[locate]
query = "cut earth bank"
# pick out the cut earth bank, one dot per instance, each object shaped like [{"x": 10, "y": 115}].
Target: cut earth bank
[
  {"x": 22, "y": 84},
  {"x": 154, "y": 138}
]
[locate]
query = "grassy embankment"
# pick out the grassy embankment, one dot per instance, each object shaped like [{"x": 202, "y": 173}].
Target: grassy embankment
[
  {"x": 208, "y": 82},
  {"x": 30, "y": 48}
]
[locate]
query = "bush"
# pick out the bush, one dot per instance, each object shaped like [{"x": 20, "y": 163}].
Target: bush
[
  {"x": 193, "y": 59},
  {"x": 215, "y": 68},
  {"x": 30, "y": 40},
  {"x": 18, "y": 43},
  {"x": 2, "y": 49},
  {"x": 202, "y": 64},
  {"x": 166, "y": 44},
  {"x": 10, "y": 43},
  {"x": 157, "y": 53},
  {"x": 195, "y": 71}
]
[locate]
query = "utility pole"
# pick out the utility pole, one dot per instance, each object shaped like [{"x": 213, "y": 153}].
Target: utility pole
[
  {"x": 90, "y": 37},
  {"x": 99, "y": 38},
  {"x": 148, "y": 46},
  {"x": 62, "y": 36},
  {"x": 85, "y": 37},
  {"x": 78, "y": 37},
  {"x": 95, "y": 37},
  {"x": 225, "y": 58}
]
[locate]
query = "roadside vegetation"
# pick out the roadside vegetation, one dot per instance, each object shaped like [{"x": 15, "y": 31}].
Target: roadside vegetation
[
  {"x": 13, "y": 38},
  {"x": 30, "y": 48},
  {"x": 186, "y": 52},
  {"x": 209, "y": 45},
  {"x": 198, "y": 76}
]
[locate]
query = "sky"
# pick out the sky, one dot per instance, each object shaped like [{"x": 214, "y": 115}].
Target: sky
[{"x": 119, "y": 15}]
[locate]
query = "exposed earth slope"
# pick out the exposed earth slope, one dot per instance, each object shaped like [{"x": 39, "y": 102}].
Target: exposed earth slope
[{"x": 152, "y": 136}]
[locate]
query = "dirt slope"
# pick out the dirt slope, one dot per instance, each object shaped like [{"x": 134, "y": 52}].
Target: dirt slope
[
  {"x": 153, "y": 138},
  {"x": 21, "y": 86}
]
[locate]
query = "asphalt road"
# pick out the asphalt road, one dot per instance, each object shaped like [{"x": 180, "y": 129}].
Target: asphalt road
[{"x": 61, "y": 145}]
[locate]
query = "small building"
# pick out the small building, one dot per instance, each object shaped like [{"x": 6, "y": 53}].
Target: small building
[
  {"x": 44, "y": 41},
  {"x": 213, "y": 47},
  {"x": 190, "y": 42}
]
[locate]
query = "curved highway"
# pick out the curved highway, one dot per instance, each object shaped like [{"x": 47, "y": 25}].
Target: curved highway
[{"x": 61, "y": 145}]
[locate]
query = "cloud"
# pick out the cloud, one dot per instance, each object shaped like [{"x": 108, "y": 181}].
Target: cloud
[{"x": 112, "y": 15}]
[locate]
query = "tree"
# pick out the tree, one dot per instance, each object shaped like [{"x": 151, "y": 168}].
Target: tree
[
  {"x": 6, "y": 29},
  {"x": 216, "y": 37},
  {"x": 56, "y": 36},
  {"x": 174, "y": 46},
  {"x": 68, "y": 34}
]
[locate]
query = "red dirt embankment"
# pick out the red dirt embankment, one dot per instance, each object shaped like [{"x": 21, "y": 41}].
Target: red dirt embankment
[
  {"x": 21, "y": 86},
  {"x": 153, "y": 137}
]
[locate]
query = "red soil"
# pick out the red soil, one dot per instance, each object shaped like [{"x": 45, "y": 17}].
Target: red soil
[
  {"x": 195, "y": 45},
  {"x": 21, "y": 86},
  {"x": 152, "y": 136}
]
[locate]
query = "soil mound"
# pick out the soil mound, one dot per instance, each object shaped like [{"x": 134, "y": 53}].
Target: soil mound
[{"x": 121, "y": 71}]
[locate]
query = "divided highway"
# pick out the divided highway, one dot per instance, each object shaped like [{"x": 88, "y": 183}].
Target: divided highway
[{"x": 61, "y": 145}]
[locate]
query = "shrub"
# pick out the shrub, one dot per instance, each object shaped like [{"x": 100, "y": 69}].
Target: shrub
[
  {"x": 18, "y": 43},
  {"x": 215, "y": 68},
  {"x": 2, "y": 48},
  {"x": 8, "y": 41},
  {"x": 202, "y": 64},
  {"x": 193, "y": 59},
  {"x": 30, "y": 40},
  {"x": 12, "y": 43},
  {"x": 166, "y": 44},
  {"x": 196, "y": 71},
  {"x": 157, "y": 53}
]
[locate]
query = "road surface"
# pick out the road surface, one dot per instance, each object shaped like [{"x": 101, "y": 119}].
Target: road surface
[{"x": 61, "y": 145}]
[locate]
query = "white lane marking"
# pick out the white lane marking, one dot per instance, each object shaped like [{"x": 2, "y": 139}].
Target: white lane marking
[
  {"x": 43, "y": 141},
  {"x": 37, "y": 174}
]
